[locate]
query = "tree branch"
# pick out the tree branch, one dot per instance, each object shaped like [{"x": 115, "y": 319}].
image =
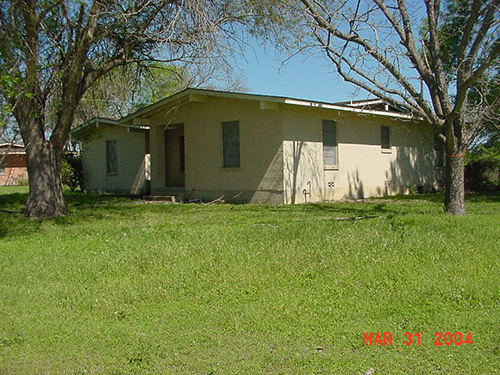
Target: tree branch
[
  {"x": 420, "y": 64},
  {"x": 91, "y": 76},
  {"x": 482, "y": 33},
  {"x": 434, "y": 48},
  {"x": 377, "y": 56},
  {"x": 465, "y": 86},
  {"x": 382, "y": 91},
  {"x": 467, "y": 32}
]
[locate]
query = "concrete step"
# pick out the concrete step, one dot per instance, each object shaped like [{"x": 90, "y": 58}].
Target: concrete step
[{"x": 160, "y": 198}]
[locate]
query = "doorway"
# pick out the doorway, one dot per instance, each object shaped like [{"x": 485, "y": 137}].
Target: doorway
[{"x": 174, "y": 156}]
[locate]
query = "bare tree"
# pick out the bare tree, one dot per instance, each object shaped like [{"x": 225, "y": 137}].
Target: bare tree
[
  {"x": 375, "y": 45},
  {"x": 129, "y": 88},
  {"x": 53, "y": 51},
  {"x": 483, "y": 100},
  {"x": 132, "y": 87}
]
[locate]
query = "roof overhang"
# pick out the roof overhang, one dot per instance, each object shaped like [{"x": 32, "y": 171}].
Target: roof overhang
[
  {"x": 345, "y": 108},
  {"x": 12, "y": 149},
  {"x": 267, "y": 102},
  {"x": 97, "y": 122},
  {"x": 141, "y": 119}
]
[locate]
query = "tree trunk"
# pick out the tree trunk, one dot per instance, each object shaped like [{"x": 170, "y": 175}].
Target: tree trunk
[
  {"x": 454, "y": 202},
  {"x": 45, "y": 197}
]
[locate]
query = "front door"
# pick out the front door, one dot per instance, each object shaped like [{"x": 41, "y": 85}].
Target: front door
[{"x": 174, "y": 156}]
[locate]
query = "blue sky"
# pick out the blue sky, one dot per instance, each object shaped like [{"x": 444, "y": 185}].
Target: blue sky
[{"x": 312, "y": 78}]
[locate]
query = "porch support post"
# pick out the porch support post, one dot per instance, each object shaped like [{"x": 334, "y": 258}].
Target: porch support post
[{"x": 157, "y": 149}]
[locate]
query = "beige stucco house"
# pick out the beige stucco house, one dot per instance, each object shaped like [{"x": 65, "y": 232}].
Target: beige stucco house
[{"x": 260, "y": 149}]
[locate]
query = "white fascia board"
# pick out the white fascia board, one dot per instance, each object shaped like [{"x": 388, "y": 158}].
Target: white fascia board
[
  {"x": 13, "y": 145},
  {"x": 12, "y": 152},
  {"x": 347, "y": 109},
  {"x": 135, "y": 127},
  {"x": 368, "y": 102},
  {"x": 96, "y": 122}
]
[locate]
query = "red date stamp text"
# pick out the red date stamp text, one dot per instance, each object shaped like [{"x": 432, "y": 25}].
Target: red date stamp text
[{"x": 440, "y": 339}]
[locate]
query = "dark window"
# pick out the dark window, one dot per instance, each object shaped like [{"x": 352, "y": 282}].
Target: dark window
[
  {"x": 2, "y": 166},
  {"x": 231, "y": 144},
  {"x": 329, "y": 143},
  {"x": 111, "y": 157},
  {"x": 385, "y": 137},
  {"x": 181, "y": 154},
  {"x": 438, "y": 152}
]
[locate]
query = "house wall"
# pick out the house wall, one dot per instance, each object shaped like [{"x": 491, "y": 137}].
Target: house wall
[
  {"x": 133, "y": 169},
  {"x": 259, "y": 179},
  {"x": 281, "y": 154},
  {"x": 364, "y": 170},
  {"x": 14, "y": 169}
]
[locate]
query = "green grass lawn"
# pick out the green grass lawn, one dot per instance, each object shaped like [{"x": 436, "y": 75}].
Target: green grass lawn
[
  {"x": 123, "y": 287},
  {"x": 13, "y": 189}
]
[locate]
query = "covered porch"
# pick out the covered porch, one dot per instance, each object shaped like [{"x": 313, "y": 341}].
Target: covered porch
[{"x": 168, "y": 167}]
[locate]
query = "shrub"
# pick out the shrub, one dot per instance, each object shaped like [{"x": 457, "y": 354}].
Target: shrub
[
  {"x": 22, "y": 180},
  {"x": 72, "y": 171},
  {"x": 481, "y": 165}
]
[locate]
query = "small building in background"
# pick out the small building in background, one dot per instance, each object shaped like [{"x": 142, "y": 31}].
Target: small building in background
[{"x": 12, "y": 164}]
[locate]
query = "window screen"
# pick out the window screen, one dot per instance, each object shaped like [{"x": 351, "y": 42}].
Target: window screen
[
  {"x": 111, "y": 157},
  {"x": 329, "y": 143},
  {"x": 231, "y": 144},
  {"x": 385, "y": 137}
]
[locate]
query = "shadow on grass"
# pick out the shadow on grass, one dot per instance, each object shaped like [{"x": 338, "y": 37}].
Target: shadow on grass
[
  {"x": 14, "y": 201},
  {"x": 91, "y": 207},
  {"x": 75, "y": 199},
  {"x": 434, "y": 197},
  {"x": 354, "y": 209},
  {"x": 483, "y": 197},
  {"x": 487, "y": 197},
  {"x": 82, "y": 207}
]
